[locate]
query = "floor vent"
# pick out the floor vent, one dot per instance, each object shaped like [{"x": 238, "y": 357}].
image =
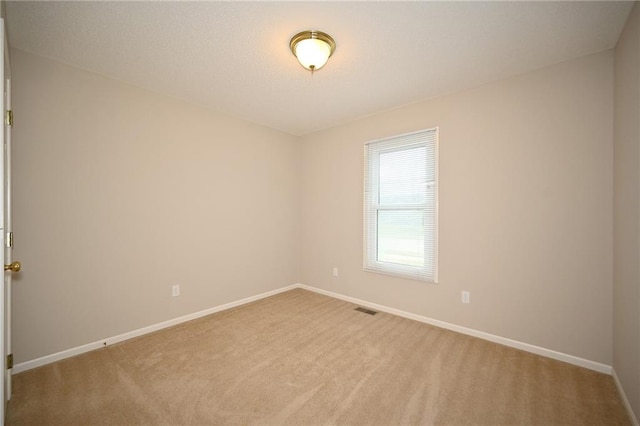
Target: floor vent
[{"x": 366, "y": 311}]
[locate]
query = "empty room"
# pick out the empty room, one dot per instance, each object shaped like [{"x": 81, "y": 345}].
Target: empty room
[{"x": 336, "y": 213}]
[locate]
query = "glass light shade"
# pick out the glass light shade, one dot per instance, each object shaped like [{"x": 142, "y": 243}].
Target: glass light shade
[
  {"x": 312, "y": 48},
  {"x": 312, "y": 53}
]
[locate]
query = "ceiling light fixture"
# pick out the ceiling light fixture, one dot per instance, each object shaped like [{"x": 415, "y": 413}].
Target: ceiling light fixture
[{"x": 312, "y": 48}]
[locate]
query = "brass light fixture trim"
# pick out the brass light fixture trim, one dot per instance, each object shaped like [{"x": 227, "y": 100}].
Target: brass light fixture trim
[{"x": 312, "y": 35}]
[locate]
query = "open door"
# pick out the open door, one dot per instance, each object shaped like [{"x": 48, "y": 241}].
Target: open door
[{"x": 7, "y": 236}]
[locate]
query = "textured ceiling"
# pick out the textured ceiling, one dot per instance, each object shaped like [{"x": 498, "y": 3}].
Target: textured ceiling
[{"x": 234, "y": 57}]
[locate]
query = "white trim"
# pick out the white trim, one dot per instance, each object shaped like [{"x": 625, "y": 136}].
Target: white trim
[
  {"x": 592, "y": 365},
  {"x": 625, "y": 400},
  {"x": 47, "y": 359},
  {"x": 581, "y": 362}
]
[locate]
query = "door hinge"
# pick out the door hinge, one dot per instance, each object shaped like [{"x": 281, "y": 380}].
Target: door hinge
[
  {"x": 9, "y": 239},
  {"x": 9, "y": 361},
  {"x": 8, "y": 117}
]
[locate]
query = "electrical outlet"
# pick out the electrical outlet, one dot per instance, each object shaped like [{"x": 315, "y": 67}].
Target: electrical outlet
[
  {"x": 466, "y": 297},
  {"x": 335, "y": 272},
  {"x": 175, "y": 290}
]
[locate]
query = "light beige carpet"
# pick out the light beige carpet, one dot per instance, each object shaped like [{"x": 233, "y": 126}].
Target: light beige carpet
[{"x": 300, "y": 358}]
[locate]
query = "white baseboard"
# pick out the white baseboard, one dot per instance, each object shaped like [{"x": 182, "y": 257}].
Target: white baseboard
[
  {"x": 28, "y": 365},
  {"x": 625, "y": 400},
  {"x": 592, "y": 365}
]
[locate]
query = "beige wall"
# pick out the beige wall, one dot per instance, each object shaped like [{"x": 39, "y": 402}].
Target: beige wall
[
  {"x": 626, "y": 289},
  {"x": 525, "y": 208},
  {"x": 121, "y": 193}
]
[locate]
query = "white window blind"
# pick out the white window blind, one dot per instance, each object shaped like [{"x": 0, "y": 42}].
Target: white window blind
[{"x": 400, "y": 208}]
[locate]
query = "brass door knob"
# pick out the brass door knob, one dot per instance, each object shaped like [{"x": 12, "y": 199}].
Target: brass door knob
[{"x": 14, "y": 267}]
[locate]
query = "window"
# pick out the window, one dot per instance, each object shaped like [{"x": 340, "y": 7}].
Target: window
[{"x": 400, "y": 200}]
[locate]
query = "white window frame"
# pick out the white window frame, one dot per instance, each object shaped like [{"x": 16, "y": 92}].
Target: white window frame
[{"x": 372, "y": 207}]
